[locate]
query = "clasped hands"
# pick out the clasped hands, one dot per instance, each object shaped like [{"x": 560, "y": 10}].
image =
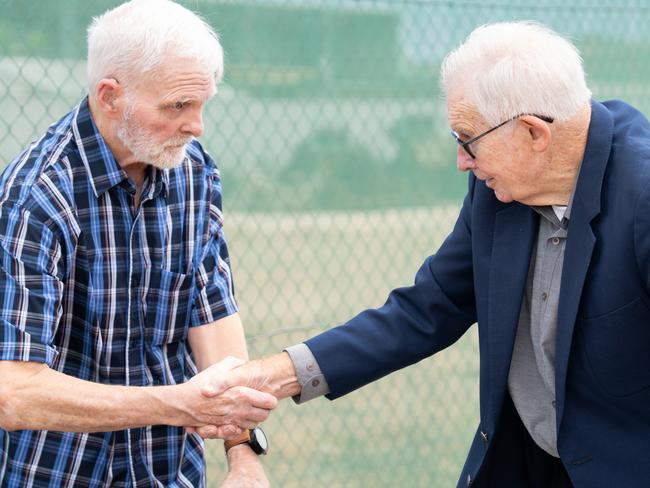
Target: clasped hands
[{"x": 227, "y": 398}]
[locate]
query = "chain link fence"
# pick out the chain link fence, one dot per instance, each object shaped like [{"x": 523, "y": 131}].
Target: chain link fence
[{"x": 339, "y": 179}]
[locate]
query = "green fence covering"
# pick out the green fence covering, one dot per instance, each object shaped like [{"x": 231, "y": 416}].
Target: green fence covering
[{"x": 339, "y": 179}]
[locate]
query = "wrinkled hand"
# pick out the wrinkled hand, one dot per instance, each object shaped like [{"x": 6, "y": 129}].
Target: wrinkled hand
[
  {"x": 224, "y": 407},
  {"x": 240, "y": 373},
  {"x": 250, "y": 375},
  {"x": 218, "y": 378}
]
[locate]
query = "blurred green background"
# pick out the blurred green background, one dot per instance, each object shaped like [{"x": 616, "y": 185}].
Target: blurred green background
[{"x": 339, "y": 179}]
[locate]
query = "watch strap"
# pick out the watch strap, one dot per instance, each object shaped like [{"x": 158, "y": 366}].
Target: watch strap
[{"x": 243, "y": 438}]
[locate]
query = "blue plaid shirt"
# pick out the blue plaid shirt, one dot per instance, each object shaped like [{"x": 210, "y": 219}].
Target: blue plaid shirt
[{"x": 104, "y": 291}]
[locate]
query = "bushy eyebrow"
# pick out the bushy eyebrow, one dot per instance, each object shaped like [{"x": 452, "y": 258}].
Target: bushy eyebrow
[
  {"x": 174, "y": 101},
  {"x": 463, "y": 129}
]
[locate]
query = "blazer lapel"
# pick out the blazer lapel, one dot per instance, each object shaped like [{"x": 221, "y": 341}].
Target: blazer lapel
[
  {"x": 580, "y": 241},
  {"x": 515, "y": 229}
]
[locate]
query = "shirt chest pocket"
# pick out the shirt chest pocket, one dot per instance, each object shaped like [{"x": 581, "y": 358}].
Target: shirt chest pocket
[{"x": 168, "y": 306}]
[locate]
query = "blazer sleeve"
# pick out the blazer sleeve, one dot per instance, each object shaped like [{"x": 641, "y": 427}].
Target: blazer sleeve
[{"x": 414, "y": 323}]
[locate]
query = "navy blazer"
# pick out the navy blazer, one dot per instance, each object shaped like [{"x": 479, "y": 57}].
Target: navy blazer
[{"x": 478, "y": 276}]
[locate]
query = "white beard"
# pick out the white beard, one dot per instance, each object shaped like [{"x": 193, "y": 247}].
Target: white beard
[{"x": 144, "y": 147}]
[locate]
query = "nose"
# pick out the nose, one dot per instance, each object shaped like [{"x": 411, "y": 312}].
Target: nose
[
  {"x": 463, "y": 160},
  {"x": 194, "y": 123}
]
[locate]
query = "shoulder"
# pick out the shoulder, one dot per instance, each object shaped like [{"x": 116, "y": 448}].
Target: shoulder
[
  {"x": 40, "y": 178},
  {"x": 198, "y": 172},
  {"x": 199, "y": 168},
  {"x": 625, "y": 116},
  {"x": 200, "y": 159},
  {"x": 631, "y": 131},
  {"x": 628, "y": 167}
]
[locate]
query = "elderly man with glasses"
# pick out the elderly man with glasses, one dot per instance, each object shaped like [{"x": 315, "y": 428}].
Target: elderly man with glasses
[{"x": 550, "y": 256}]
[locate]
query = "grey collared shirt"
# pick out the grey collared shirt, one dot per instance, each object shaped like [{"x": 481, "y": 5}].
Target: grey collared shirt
[{"x": 531, "y": 381}]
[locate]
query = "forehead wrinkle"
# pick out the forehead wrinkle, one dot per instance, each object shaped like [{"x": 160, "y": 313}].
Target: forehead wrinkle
[
  {"x": 463, "y": 116},
  {"x": 182, "y": 85},
  {"x": 182, "y": 91}
]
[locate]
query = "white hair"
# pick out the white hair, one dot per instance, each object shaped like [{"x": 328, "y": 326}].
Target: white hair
[
  {"x": 136, "y": 38},
  {"x": 512, "y": 68}
]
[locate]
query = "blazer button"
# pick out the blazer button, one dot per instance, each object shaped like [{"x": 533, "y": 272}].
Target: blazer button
[
  {"x": 469, "y": 480},
  {"x": 485, "y": 437}
]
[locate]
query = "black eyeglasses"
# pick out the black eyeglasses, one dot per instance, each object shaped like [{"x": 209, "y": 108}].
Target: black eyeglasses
[{"x": 465, "y": 144}]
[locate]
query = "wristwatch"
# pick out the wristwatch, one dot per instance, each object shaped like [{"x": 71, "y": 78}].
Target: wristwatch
[{"x": 256, "y": 438}]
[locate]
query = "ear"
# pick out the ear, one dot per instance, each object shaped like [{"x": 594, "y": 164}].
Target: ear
[
  {"x": 108, "y": 94},
  {"x": 538, "y": 131}
]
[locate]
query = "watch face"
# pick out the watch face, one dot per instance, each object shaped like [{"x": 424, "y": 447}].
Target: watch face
[{"x": 259, "y": 442}]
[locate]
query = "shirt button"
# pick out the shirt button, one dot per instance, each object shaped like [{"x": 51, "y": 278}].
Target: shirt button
[
  {"x": 555, "y": 241},
  {"x": 310, "y": 366},
  {"x": 553, "y": 403},
  {"x": 544, "y": 296},
  {"x": 315, "y": 383}
]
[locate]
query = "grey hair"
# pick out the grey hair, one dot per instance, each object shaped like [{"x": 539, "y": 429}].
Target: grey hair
[
  {"x": 136, "y": 38},
  {"x": 510, "y": 68}
]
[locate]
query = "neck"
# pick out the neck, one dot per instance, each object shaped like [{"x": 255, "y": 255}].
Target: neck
[{"x": 569, "y": 143}]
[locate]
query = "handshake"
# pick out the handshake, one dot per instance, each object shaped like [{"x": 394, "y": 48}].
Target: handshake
[{"x": 232, "y": 395}]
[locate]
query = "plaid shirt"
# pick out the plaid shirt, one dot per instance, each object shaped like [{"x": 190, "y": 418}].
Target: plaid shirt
[{"x": 103, "y": 291}]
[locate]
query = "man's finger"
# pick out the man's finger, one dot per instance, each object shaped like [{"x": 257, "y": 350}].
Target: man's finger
[
  {"x": 257, "y": 415},
  {"x": 257, "y": 398},
  {"x": 228, "y": 431},
  {"x": 208, "y": 432},
  {"x": 219, "y": 432}
]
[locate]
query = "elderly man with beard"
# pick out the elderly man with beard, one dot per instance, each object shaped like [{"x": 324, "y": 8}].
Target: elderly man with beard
[{"x": 115, "y": 274}]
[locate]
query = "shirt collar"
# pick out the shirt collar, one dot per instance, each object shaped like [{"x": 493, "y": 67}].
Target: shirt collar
[
  {"x": 567, "y": 214},
  {"x": 159, "y": 179},
  {"x": 103, "y": 170}
]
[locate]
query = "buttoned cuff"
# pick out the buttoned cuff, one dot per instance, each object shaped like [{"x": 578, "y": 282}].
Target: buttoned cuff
[{"x": 312, "y": 381}]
